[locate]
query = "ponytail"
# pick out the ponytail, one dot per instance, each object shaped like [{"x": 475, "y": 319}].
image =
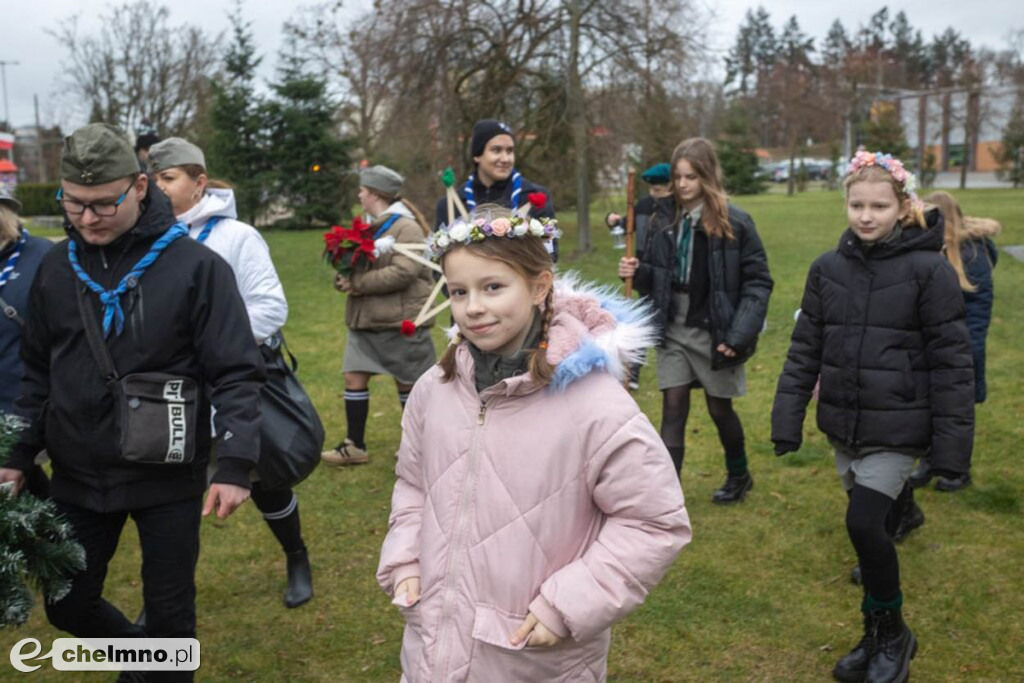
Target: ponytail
[{"x": 420, "y": 218}]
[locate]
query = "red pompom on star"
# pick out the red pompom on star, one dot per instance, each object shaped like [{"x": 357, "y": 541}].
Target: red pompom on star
[
  {"x": 408, "y": 328},
  {"x": 538, "y": 200}
]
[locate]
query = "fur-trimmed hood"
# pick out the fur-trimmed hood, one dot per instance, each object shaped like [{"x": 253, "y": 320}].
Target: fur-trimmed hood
[
  {"x": 593, "y": 329},
  {"x": 979, "y": 228}
]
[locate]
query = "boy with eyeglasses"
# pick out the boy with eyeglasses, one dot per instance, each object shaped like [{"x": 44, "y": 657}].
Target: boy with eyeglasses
[{"x": 166, "y": 305}]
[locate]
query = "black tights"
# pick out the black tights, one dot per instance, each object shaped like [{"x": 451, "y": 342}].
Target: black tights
[
  {"x": 867, "y": 519},
  {"x": 675, "y": 409}
]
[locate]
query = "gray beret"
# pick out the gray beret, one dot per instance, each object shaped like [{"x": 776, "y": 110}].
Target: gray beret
[
  {"x": 382, "y": 179},
  {"x": 9, "y": 201},
  {"x": 97, "y": 153},
  {"x": 175, "y": 152}
]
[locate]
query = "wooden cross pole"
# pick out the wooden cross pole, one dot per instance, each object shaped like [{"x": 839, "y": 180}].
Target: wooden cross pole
[{"x": 630, "y": 223}]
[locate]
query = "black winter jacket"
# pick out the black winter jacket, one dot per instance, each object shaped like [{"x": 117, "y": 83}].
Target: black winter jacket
[
  {"x": 885, "y": 330},
  {"x": 185, "y": 317},
  {"x": 500, "y": 193},
  {"x": 15, "y": 293},
  {"x": 730, "y": 283}
]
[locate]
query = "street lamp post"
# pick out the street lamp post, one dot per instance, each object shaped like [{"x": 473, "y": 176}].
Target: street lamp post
[{"x": 3, "y": 77}]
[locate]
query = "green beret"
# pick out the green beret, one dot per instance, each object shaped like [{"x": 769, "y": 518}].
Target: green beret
[
  {"x": 659, "y": 174},
  {"x": 175, "y": 152},
  {"x": 95, "y": 154}
]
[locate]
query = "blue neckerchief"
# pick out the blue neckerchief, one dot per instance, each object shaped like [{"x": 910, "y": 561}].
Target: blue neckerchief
[
  {"x": 517, "y": 190},
  {"x": 387, "y": 224},
  {"x": 12, "y": 260},
  {"x": 111, "y": 298},
  {"x": 205, "y": 232}
]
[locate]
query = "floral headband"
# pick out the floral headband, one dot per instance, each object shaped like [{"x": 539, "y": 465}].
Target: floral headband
[
  {"x": 481, "y": 225},
  {"x": 904, "y": 178}
]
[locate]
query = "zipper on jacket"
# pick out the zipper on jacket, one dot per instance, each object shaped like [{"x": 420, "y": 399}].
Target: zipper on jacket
[
  {"x": 459, "y": 534},
  {"x": 851, "y": 439},
  {"x": 103, "y": 257}
]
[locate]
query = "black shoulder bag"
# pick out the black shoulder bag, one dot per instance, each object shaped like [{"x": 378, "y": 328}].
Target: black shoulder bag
[
  {"x": 155, "y": 411},
  {"x": 291, "y": 435}
]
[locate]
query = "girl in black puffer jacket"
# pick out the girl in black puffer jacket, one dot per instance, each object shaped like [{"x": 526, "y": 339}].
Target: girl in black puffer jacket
[
  {"x": 882, "y": 323},
  {"x": 707, "y": 277}
]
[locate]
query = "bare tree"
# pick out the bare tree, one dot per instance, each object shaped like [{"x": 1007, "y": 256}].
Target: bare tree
[
  {"x": 139, "y": 68},
  {"x": 414, "y": 75}
]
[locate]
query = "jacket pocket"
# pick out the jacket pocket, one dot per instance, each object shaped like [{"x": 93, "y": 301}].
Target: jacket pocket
[
  {"x": 495, "y": 627},
  {"x": 495, "y": 658},
  {"x": 908, "y": 390}
]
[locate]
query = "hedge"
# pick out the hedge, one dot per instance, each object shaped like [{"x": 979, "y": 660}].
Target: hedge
[{"x": 38, "y": 199}]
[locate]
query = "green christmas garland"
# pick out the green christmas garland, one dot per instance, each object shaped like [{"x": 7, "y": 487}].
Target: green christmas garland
[{"x": 36, "y": 546}]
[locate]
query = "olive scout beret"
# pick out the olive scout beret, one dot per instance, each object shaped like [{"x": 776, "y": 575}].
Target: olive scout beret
[
  {"x": 382, "y": 179},
  {"x": 95, "y": 154},
  {"x": 175, "y": 152},
  {"x": 659, "y": 174}
]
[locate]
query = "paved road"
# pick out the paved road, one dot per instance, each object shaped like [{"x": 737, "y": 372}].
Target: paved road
[{"x": 951, "y": 180}]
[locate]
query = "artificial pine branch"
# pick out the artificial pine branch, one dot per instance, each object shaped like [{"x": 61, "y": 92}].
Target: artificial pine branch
[{"x": 36, "y": 546}]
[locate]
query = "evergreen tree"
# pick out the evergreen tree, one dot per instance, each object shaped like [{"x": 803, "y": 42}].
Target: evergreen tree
[
  {"x": 884, "y": 132},
  {"x": 740, "y": 168},
  {"x": 311, "y": 162},
  {"x": 836, "y": 47},
  {"x": 1011, "y": 156},
  {"x": 238, "y": 142}
]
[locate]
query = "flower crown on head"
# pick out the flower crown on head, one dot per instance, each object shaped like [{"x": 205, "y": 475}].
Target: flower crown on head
[
  {"x": 904, "y": 178},
  {"x": 482, "y": 224}
]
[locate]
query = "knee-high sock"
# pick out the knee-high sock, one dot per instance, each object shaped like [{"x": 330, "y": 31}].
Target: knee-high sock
[
  {"x": 280, "y": 509},
  {"x": 357, "y": 409}
]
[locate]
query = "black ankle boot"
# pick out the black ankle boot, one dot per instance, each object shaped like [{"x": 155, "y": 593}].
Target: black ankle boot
[
  {"x": 300, "y": 579},
  {"x": 895, "y": 646},
  {"x": 911, "y": 519},
  {"x": 854, "y": 666},
  {"x": 734, "y": 489}
]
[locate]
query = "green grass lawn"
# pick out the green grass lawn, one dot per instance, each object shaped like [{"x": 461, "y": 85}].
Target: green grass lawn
[{"x": 760, "y": 594}]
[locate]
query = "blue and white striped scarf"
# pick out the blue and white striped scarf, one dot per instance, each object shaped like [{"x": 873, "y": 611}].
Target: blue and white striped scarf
[
  {"x": 517, "y": 190},
  {"x": 12, "y": 260}
]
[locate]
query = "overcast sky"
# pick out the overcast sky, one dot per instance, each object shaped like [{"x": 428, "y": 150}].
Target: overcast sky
[{"x": 23, "y": 39}]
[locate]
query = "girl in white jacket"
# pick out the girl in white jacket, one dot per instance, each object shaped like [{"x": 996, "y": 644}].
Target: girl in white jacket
[{"x": 179, "y": 169}]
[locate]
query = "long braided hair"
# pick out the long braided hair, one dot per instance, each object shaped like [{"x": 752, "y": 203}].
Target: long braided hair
[{"x": 529, "y": 258}]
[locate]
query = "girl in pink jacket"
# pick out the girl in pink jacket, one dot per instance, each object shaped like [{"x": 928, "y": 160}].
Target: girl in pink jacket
[{"x": 535, "y": 504}]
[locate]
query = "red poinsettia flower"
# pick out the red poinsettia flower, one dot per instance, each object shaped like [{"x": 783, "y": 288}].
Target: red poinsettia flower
[
  {"x": 359, "y": 226},
  {"x": 333, "y": 238},
  {"x": 408, "y": 328},
  {"x": 344, "y": 248},
  {"x": 538, "y": 199}
]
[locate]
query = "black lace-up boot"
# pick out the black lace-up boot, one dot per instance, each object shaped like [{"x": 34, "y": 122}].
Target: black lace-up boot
[
  {"x": 853, "y": 667},
  {"x": 734, "y": 489},
  {"x": 895, "y": 646}
]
